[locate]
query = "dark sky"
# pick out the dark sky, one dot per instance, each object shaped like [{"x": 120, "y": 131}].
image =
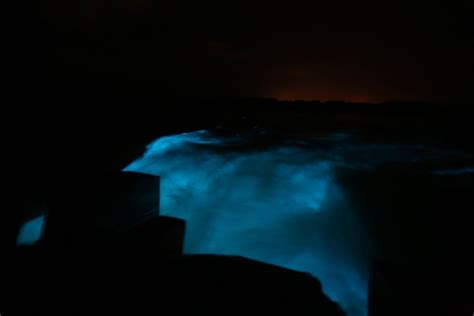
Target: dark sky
[{"x": 356, "y": 51}]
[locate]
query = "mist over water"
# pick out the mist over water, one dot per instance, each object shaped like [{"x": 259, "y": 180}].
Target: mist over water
[{"x": 280, "y": 203}]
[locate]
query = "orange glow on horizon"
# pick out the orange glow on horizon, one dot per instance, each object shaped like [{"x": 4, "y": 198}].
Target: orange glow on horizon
[{"x": 323, "y": 96}]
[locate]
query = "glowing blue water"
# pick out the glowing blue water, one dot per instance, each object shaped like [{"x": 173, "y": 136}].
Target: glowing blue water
[
  {"x": 280, "y": 205},
  {"x": 31, "y": 231},
  {"x": 454, "y": 172}
]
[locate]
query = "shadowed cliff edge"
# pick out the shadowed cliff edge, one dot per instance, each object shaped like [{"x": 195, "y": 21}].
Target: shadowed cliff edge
[{"x": 107, "y": 254}]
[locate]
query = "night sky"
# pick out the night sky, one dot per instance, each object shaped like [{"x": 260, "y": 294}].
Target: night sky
[{"x": 329, "y": 50}]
